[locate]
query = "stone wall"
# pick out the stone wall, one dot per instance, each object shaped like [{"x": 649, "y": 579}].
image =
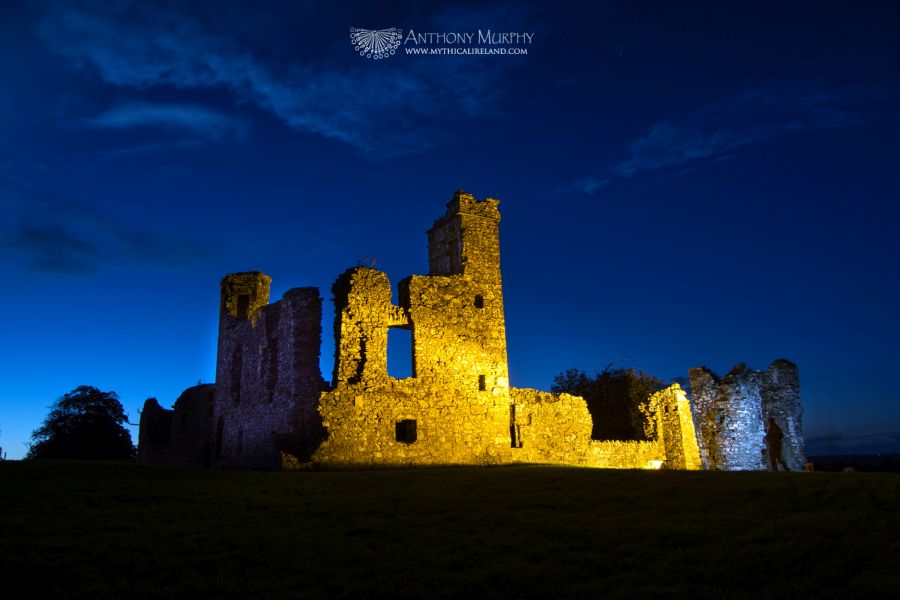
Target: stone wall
[
  {"x": 412, "y": 422},
  {"x": 154, "y": 433},
  {"x": 616, "y": 454},
  {"x": 192, "y": 427},
  {"x": 267, "y": 374},
  {"x": 781, "y": 401},
  {"x": 731, "y": 415},
  {"x": 549, "y": 428},
  {"x": 553, "y": 428},
  {"x": 670, "y": 410},
  {"x": 270, "y": 408},
  {"x": 457, "y": 399}
]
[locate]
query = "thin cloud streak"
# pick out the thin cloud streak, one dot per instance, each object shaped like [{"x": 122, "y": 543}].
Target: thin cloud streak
[
  {"x": 72, "y": 239},
  {"x": 738, "y": 121},
  {"x": 721, "y": 129},
  {"x": 193, "y": 119}
]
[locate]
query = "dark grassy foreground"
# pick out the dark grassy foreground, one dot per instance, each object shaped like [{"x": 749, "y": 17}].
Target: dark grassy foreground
[{"x": 122, "y": 530}]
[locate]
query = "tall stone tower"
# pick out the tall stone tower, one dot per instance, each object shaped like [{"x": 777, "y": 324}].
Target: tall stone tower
[{"x": 462, "y": 298}]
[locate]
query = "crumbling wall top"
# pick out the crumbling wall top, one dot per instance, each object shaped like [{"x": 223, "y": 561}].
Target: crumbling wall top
[
  {"x": 465, "y": 203},
  {"x": 243, "y": 293}
]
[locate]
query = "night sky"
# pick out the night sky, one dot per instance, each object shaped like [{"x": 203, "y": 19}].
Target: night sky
[{"x": 681, "y": 184}]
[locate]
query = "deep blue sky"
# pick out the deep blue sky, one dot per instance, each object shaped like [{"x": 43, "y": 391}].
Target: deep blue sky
[{"x": 681, "y": 183}]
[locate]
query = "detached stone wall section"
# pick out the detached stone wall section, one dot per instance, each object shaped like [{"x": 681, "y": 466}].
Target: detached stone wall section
[
  {"x": 732, "y": 412},
  {"x": 155, "y": 433},
  {"x": 675, "y": 428},
  {"x": 781, "y": 401},
  {"x": 192, "y": 426}
]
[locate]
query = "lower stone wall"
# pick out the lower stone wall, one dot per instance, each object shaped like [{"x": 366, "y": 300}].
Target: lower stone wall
[
  {"x": 501, "y": 426},
  {"x": 616, "y": 454},
  {"x": 451, "y": 427},
  {"x": 191, "y": 443},
  {"x": 550, "y": 428}
]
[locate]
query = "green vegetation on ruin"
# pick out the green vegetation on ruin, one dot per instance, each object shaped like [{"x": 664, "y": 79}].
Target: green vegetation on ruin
[{"x": 104, "y": 530}]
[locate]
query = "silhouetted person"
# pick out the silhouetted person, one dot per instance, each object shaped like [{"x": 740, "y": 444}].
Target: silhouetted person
[{"x": 774, "y": 435}]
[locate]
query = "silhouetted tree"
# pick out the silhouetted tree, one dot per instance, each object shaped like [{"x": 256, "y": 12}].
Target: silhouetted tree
[
  {"x": 616, "y": 399},
  {"x": 85, "y": 423}
]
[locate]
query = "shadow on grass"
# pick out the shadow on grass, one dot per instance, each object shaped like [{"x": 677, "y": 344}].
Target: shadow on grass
[{"x": 101, "y": 530}]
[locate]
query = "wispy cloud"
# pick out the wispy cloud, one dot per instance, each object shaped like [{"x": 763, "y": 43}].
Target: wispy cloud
[
  {"x": 738, "y": 121},
  {"x": 380, "y": 109},
  {"x": 588, "y": 185},
  {"x": 71, "y": 238},
  {"x": 724, "y": 127},
  {"x": 189, "y": 118}
]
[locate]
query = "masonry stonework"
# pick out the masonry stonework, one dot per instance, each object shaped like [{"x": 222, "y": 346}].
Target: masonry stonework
[
  {"x": 732, "y": 415},
  {"x": 270, "y": 407}
]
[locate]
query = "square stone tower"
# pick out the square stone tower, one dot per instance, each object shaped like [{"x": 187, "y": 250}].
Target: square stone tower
[
  {"x": 456, "y": 406},
  {"x": 461, "y": 300}
]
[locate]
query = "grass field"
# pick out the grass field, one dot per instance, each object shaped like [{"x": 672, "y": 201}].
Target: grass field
[{"x": 94, "y": 530}]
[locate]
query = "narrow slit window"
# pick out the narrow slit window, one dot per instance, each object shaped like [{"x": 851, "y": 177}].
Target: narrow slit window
[
  {"x": 482, "y": 383},
  {"x": 400, "y": 353},
  {"x": 479, "y": 301},
  {"x": 514, "y": 439},
  {"x": 243, "y": 306}
]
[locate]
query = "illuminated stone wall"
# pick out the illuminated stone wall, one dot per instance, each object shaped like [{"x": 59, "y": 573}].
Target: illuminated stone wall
[
  {"x": 549, "y": 428},
  {"x": 781, "y": 401},
  {"x": 670, "y": 412},
  {"x": 731, "y": 414},
  {"x": 458, "y": 396},
  {"x": 615, "y": 454},
  {"x": 270, "y": 407}
]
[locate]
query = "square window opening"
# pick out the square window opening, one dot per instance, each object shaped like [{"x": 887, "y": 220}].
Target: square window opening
[{"x": 406, "y": 431}]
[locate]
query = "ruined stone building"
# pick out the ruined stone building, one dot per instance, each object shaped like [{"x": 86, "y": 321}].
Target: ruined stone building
[
  {"x": 735, "y": 413},
  {"x": 271, "y": 408}
]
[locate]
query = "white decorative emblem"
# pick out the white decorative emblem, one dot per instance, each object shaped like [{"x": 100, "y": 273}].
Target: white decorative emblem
[{"x": 376, "y": 43}]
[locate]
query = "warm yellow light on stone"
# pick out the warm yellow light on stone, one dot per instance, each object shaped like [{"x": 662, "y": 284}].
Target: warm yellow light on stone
[
  {"x": 271, "y": 407},
  {"x": 654, "y": 465}
]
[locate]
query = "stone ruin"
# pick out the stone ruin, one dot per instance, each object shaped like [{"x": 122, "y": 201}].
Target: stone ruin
[
  {"x": 734, "y": 415},
  {"x": 271, "y": 408}
]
